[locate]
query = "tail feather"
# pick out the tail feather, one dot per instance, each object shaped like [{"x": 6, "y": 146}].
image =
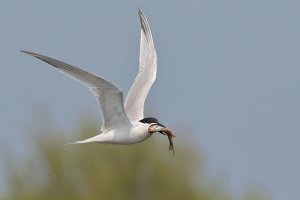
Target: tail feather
[
  {"x": 71, "y": 143},
  {"x": 89, "y": 140}
]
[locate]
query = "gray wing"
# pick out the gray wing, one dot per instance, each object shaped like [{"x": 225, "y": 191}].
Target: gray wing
[
  {"x": 134, "y": 103},
  {"x": 109, "y": 96}
]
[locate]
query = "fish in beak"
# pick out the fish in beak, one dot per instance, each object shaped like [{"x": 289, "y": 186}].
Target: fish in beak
[{"x": 157, "y": 127}]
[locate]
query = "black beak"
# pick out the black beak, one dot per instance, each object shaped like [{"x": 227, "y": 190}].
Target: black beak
[{"x": 159, "y": 124}]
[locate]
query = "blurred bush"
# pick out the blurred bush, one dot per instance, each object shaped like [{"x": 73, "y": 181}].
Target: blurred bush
[{"x": 98, "y": 171}]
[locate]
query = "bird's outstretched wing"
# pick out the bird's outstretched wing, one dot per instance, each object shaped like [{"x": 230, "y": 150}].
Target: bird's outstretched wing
[
  {"x": 134, "y": 103},
  {"x": 109, "y": 96}
]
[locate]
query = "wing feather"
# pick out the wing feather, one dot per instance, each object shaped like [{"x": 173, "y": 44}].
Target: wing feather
[
  {"x": 135, "y": 100},
  {"x": 109, "y": 96}
]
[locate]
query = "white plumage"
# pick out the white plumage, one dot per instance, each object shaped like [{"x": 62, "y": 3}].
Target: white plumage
[{"x": 121, "y": 124}]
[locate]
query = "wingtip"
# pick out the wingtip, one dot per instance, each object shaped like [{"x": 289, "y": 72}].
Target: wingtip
[
  {"x": 28, "y": 52},
  {"x": 23, "y": 51},
  {"x": 140, "y": 10},
  {"x": 141, "y": 13},
  {"x": 143, "y": 21},
  {"x": 36, "y": 55}
]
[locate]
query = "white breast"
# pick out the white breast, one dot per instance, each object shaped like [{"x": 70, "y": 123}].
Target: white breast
[{"x": 139, "y": 133}]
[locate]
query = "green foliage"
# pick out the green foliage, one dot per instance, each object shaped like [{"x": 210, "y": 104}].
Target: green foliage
[{"x": 97, "y": 171}]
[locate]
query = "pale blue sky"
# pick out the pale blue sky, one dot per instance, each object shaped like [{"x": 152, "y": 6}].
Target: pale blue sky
[{"x": 227, "y": 70}]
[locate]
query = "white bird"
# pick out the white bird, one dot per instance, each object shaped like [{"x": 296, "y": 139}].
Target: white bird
[{"x": 121, "y": 123}]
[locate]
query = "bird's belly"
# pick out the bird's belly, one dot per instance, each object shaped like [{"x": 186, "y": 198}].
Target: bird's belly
[
  {"x": 138, "y": 138},
  {"x": 125, "y": 141},
  {"x": 133, "y": 136},
  {"x": 131, "y": 139}
]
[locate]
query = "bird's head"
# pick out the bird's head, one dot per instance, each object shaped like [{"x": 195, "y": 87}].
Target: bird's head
[{"x": 154, "y": 125}]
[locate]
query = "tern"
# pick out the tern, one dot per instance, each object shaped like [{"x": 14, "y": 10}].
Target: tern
[{"x": 122, "y": 123}]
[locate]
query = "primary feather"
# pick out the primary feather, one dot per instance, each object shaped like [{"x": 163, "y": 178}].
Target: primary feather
[{"x": 134, "y": 103}]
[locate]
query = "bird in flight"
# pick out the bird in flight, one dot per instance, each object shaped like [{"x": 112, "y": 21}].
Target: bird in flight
[{"x": 122, "y": 123}]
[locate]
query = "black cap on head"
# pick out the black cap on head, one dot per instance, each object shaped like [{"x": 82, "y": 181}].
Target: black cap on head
[{"x": 150, "y": 120}]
